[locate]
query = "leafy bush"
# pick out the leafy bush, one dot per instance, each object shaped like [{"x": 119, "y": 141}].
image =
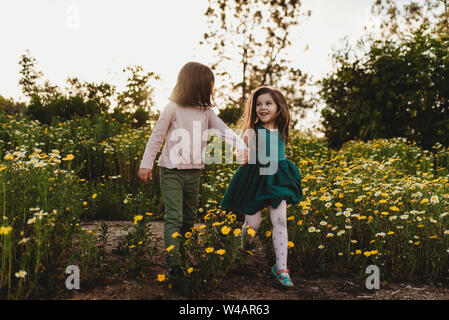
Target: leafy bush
[
  {"x": 40, "y": 206},
  {"x": 394, "y": 90}
]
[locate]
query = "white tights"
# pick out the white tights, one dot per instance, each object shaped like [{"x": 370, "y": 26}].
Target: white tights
[{"x": 278, "y": 218}]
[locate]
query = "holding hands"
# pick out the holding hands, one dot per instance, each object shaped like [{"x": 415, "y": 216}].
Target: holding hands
[
  {"x": 242, "y": 156},
  {"x": 145, "y": 174}
]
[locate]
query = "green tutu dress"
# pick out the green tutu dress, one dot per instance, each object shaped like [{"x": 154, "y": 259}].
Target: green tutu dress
[{"x": 251, "y": 189}]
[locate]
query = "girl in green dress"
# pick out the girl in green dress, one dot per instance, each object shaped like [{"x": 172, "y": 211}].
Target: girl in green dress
[{"x": 271, "y": 180}]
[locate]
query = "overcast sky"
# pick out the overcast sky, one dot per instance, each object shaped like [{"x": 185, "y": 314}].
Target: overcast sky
[{"x": 95, "y": 39}]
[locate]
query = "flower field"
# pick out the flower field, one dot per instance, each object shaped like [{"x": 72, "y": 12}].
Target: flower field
[{"x": 381, "y": 202}]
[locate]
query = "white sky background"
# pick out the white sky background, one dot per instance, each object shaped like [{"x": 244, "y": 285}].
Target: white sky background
[{"x": 94, "y": 40}]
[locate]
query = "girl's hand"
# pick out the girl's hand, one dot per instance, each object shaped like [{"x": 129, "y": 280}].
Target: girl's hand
[
  {"x": 242, "y": 156},
  {"x": 144, "y": 174}
]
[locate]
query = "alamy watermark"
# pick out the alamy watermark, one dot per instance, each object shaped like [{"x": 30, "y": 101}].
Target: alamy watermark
[
  {"x": 192, "y": 148},
  {"x": 373, "y": 280},
  {"x": 72, "y": 281},
  {"x": 73, "y": 17}
]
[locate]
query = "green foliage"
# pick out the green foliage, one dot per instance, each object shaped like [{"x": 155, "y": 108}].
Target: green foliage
[
  {"x": 63, "y": 108},
  {"x": 139, "y": 93},
  {"x": 395, "y": 90},
  {"x": 230, "y": 115},
  {"x": 10, "y": 107},
  {"x": 140, "y": 118},
  {"x": 40, "y": 203},
  {"x": 209, "y": 253},
  {"x": 48, "y": 104},
  {"x": 138, "y": 245}
]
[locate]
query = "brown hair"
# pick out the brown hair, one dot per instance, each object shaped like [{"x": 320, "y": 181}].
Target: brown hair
[
  {"x": 194, "y": 85},
  {"x": 249, "y": 117}
]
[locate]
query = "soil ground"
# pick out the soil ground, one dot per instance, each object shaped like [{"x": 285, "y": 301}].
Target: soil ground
[{"x": 252, "y": 281}]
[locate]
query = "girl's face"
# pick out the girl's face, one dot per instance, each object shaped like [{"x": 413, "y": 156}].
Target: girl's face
[{"x": 266, "y": 110}]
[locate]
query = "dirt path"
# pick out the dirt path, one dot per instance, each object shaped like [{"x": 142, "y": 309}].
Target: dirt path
[{"x": 252, "y": 281}]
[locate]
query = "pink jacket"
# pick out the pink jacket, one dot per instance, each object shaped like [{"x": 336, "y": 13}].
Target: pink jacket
[{"x": 191, "y": 124}]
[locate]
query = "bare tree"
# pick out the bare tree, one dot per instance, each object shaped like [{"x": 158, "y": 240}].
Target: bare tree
[{"x": 254, "y": 38}]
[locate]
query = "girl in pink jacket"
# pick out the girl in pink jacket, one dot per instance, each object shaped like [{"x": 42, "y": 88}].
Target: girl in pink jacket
[{"x": 184, "y": 125}]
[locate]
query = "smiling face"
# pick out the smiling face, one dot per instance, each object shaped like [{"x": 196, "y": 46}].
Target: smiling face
[{"x": 266, "y": 110}]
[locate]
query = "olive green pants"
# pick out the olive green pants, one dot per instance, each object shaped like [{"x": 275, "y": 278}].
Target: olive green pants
[{"x": 180, "y": 189}]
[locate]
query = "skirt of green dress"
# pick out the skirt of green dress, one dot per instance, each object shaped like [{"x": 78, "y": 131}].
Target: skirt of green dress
[{"x": 249, "y": 191}]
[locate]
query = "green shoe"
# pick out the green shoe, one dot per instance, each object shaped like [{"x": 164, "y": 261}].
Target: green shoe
[{"x": 282, "y": 278}]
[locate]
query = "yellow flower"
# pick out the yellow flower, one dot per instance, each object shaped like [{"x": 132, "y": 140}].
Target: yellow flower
[
  {"x": 425, "y": 200},
  {"x": 338, "y": 205},
  {"x": 237, "y": 232},
  {"x": 251, "y": 232},
  {"x": 268, "y": 233},
  {"x": 367, "y": 253},
  {"x": 137, "y": 218},
  {"x": 190, "y": 270},
  {"x": 225, "y": 230},
  {"x": 209, "y": 250},
  {"x": 299, "y": 222},
  {"x": 188, "y": 234},
  {"x": 69, "y": 157},
  {"x": 161, "y": 277},
  {"x": 175, "y": 235},
  {"x": 132, "y": 246},
  {"x": 148, "y": 213},
  {"x": 94, "y": 196},
  {"x": 5, "y": 230},
  {"x": 84, "y": 203},
  {"x": 170, "y": 248},
  {"x": 9, "y": 157},
  {"x": 201, "y": 227},
  {"x": 291, "y": 244},
  {"x": 220, "y": 252},
  {"x": 290, "y": 218},
  {"x": 358, "y": 251}
]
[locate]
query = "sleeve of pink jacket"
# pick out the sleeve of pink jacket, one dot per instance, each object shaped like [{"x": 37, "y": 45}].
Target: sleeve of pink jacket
[
  {"x": 227, "y": 133},
  {"x": 157, "y": 137}
]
